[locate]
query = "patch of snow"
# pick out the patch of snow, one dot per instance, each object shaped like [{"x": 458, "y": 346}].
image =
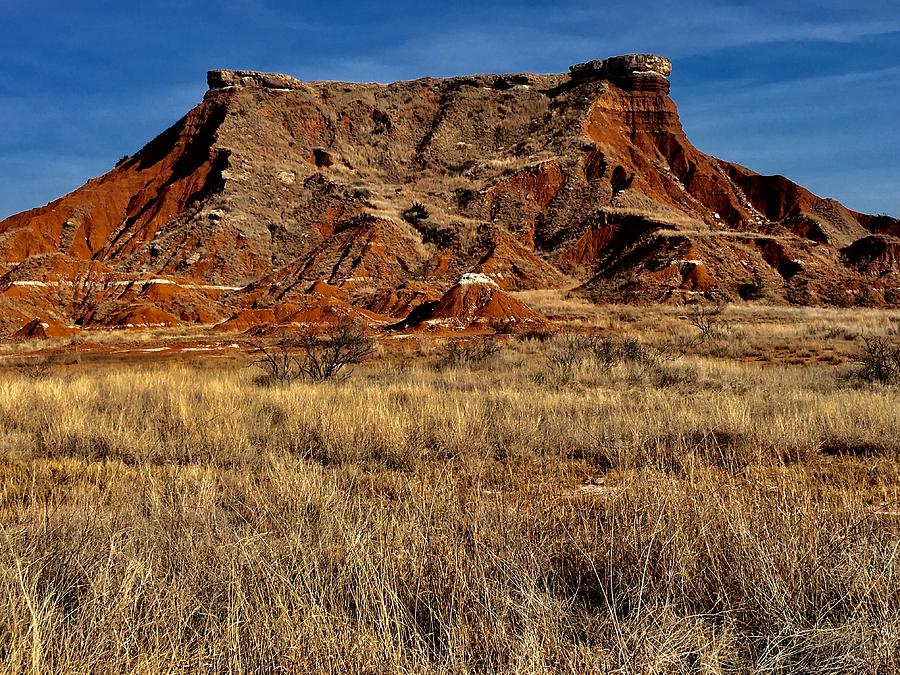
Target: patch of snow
[
  {"x": 171, "y": 282},
  {"x": 652, "y": 72},
  {"x": 214, "y": 287},
  {"x": 475, "y": 278}
]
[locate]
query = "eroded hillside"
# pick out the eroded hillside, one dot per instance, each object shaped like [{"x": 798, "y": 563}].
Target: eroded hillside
[{"x": 276, "y": 200}]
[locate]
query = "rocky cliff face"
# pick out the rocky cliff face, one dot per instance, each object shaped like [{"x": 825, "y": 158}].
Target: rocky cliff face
[
  {"x": 631, "y": 72},
  {"x": 390, "y": 193}
]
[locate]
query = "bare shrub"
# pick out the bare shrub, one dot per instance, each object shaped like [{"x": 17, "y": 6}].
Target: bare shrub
[
  {"x": 573, "y": 350},
  {"x": 708, "y": 319},
  {"x": 630, "y": 349},
  {"x": 278, "y": 363},
  {"x": 506, "y": 327},
  {"x": 326, "y": 357},
  {"x": 321, "y": 357},
  {"x": 662, "y": 376},
  {"x": 569, "y": 352},
  {"x": 880, "y": 362},
  {"x": 576, "y": 355},
  {"x": 535, "y": 335},
  {"x": 35, "y": 369},
  {"x": 468, "y": 353}
]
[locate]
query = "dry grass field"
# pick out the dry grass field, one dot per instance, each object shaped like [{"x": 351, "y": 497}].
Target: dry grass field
[{"x": 685, "y": 505}]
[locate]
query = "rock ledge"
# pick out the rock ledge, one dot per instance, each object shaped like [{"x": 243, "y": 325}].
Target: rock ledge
[
  {"x": 645, "y": 72},
  {"x": 222, "y": 79},
  {"x": 622, "y": 65}
]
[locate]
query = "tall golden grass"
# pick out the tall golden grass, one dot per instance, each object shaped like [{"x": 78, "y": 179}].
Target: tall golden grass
[{"x": 731, "y": 517}]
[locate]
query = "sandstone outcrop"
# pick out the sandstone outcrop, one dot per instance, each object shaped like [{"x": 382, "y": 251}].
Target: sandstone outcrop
[
  {"x": 648, "y": 72},
  {"x": 224, "y": 79}
]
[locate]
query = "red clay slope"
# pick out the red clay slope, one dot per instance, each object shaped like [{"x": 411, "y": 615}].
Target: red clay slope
[{"x": 474, "y": 302}]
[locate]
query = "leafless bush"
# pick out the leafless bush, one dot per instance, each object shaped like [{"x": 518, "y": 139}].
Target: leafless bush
[
  {"x": 880, "y": 362},
  {"x": 662, "y": 376},
  {"x": 628, "y": 349},
  {"x": 278, "y": 363},
  {"x": 315, "y": 357},
  {"x": 35, "y": 369},
  {"x": 535, "y": 334},
  {"x": 468, "y": 352},
  {"x": 344, "y": 344},
  {"x": 573, "y": 350},
  {"x": 569, "y": 352},
  {"x": 641, "y": 363},
  {"x": 708, "y": 319},
  {"x": 506, "y": 327}
]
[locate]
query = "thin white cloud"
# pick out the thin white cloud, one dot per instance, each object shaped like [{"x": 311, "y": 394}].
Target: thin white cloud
[
  {"x": 261, "y": 13},
  {"x": 834, "y": 88},
  {"x": 526, "y": 41}
]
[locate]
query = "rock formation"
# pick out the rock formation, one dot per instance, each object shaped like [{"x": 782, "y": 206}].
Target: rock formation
[
  {"x": 631, "y": 72},
  {"x": 225, "y": 79},
  {"x": 390, "y": 193},
  {"x": 476, "y": 301},
  {"x": 42, "y": 329}
]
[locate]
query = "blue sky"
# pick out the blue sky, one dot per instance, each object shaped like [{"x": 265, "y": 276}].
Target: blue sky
[{"x": 810, "y": 90}]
